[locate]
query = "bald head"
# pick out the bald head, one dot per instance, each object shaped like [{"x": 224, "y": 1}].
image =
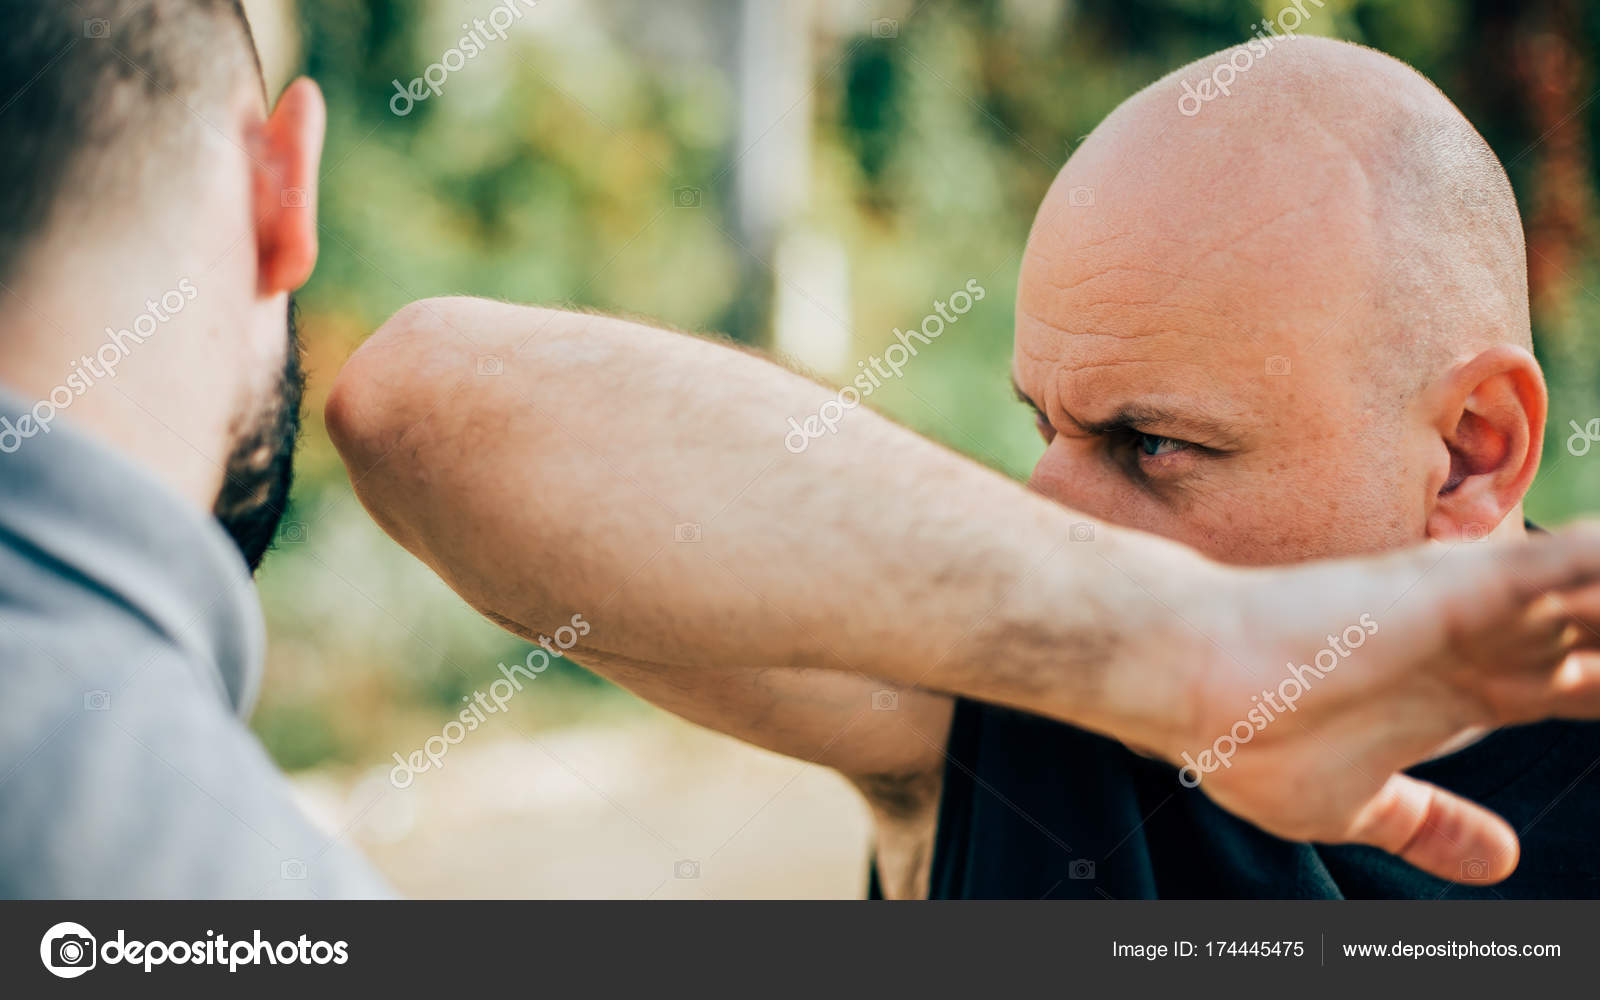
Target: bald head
[{"x": 1274, "y": 260}]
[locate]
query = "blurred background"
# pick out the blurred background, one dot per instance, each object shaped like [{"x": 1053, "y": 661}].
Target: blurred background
[{"x": 805, "y": 176}]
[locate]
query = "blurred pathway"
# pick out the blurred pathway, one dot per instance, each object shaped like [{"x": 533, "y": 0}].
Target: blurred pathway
[{"x": 658, "y": 809}]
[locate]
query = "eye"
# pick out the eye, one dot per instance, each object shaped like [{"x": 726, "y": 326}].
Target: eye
[
  {"x": 1147, "y": 452},
  {"x": 1154, "y": 445}
]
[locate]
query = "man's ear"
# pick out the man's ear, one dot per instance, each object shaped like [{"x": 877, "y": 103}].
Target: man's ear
[
  {"x": 286, "y": 156},
  {"x": 1490, "y": 412}
]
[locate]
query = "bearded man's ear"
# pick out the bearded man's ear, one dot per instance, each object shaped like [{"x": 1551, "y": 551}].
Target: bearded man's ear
[{"x": 287, "y": 155}]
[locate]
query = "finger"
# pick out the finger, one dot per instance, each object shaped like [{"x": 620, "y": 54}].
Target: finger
[
  {"x": 1582, "y": 609},
  {"x": 1563, "y": 560},
  {"x": 1575, "y": 689},
  {"x": 1569, "y": 691},
  {"x": 1440, "y": 833}
]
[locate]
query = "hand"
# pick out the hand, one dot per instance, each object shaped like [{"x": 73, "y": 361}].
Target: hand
[{"x": 1331, "y": 678}]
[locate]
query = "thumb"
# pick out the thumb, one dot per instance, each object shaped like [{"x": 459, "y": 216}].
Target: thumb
[{"x": 1440, "y": 833}]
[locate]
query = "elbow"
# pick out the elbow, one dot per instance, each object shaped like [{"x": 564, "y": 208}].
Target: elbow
[{"x": 392, "y": 381}]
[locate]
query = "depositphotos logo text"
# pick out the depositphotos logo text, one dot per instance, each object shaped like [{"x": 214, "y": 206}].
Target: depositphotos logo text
[{"x": 69, "y": 950}]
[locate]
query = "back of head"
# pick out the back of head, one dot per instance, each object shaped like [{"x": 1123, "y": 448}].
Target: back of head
[
  {"x": 146, "y": 187},
  {"x": 100, "y": 101}
]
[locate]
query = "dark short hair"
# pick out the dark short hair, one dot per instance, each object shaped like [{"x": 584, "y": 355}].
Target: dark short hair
[{"x": 100, "y": 97}]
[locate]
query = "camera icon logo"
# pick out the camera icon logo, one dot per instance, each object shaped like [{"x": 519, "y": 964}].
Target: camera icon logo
[
  {"x": 294, "y": 197},
  {"x": 686, "y": 533},
  {"x": 885, "y": 701},
  {"x": 97, "y": 27},
  {"x": 885, "y": 27},
  {"x": 1081, "y": 870},
  {"x": 491, "y": 365},
  {"x": 686, "y": 868},
  {"x": 686, "y": 197},
  {"x": 1475, "y": 869},
  {"x": 292, "y": 869},
  {"x": 1277, "y": 365},
  {"x": 1083, "y": 531},
  {"x": 293, "y": 531},
  {"x": 68, "y": 950},
  {"x": 1080, "y": 197},
  {"x": 97, "y": 701},
  {"x": 1476, "y": 531}
]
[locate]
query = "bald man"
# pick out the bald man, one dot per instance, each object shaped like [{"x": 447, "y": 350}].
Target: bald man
[
  {"x": 1304, "y": 312},
  {"x": 1292, "y": 325},
  {"x": 1273, "y": 351}
]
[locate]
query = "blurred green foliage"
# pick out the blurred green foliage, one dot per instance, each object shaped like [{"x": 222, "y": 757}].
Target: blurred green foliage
[{"x": 546, "y": 173}]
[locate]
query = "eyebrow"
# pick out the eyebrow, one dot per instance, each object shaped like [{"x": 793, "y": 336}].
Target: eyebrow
[
  {"x": 1024, "y": 398},
  {"x": 1144, "y": 418}
]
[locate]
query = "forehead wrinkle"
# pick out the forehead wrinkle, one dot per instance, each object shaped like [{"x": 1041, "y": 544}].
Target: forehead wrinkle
[
  {"x": 1209, "y": 287},
  {"x": 1128, "y": 317},
  {"x": 1257, "y": 307},
  {"x": 1070, "y": 251},
  {"x": 1152, "y": 304},
  {"x": 1069, "y": 369},
  {"x": 1191, "y": 403},
  {"x": 1113, "y": 363},
  {"x": 1025, "y": 349},
  {"x": 1093, "y": 370},
  {"x": 1233, "y": 265},
  {"x": 1064, "y": 336},
  {"x": 1109, "y": 270}
]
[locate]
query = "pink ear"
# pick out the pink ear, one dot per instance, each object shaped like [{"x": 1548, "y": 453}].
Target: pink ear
[{"x": 286, "y": 188}]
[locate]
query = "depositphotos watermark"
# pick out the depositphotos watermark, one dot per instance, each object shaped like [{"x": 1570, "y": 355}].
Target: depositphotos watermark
[
  {"x": 471, "y": 45},
  {"x": 1242, "y": 57},
  {"x": 826, "y": 419},
  {"x": 89, "y": 369},
  {"x": 1270, "y": 704},
  {"x": 505, "y": 687},
  {"x": 1583, "y": 438},
  {"x": 69, "y": 950}
]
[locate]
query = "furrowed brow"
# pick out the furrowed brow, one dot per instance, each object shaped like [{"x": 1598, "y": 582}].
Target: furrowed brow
[
  {"x": 1024, "y": 398},
  {"x": 1144, "y": 418},
  {"x": 1159, "y": 420},
  {"x": 1129, "y": 418}
]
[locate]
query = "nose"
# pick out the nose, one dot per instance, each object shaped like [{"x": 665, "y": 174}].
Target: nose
[
  {"x": 1069, "y": 473},
  {"x": 1052, "y": 475},
  {"x": 1035, "y": 480}
]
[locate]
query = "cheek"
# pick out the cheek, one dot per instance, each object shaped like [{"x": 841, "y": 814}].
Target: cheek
[
  {"x": 1254, "y": 511},
  {"x": 1243, "y": 536},
  {"x": 1282, "y": 520},
  {"x": 1239, "y": 522}
]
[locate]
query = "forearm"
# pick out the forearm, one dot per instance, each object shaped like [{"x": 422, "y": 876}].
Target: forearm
[{"x": 641, "y": 478}]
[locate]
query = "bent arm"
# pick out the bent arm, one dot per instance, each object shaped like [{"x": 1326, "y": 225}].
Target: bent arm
[{"x": 549, "y": 463}]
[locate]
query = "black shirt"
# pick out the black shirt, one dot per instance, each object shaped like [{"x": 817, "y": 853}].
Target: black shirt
[{"x": 1033, "y": 809}]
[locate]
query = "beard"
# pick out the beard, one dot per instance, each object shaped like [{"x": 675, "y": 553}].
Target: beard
[{"x": 260, "y": 469}]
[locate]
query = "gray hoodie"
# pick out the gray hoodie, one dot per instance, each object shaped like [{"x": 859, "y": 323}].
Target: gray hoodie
[{"x": 131, "y": 647}]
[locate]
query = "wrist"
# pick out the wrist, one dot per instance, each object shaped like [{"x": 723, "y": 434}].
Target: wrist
[{"x": 1164, "y": 611}]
